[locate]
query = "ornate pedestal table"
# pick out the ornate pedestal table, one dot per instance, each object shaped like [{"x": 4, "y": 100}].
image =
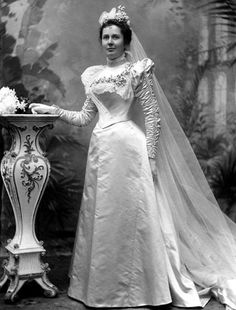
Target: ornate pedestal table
[{"x": 25, "y": 172}]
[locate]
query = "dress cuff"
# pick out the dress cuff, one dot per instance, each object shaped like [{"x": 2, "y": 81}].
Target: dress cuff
[{"x": 57, "y": 110}]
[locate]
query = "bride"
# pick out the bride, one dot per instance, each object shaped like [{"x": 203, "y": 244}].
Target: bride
[{"x": 150, "y": 231}]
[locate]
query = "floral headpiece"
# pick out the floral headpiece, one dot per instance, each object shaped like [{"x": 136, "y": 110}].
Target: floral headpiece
[{"x": 118, "y": 14}]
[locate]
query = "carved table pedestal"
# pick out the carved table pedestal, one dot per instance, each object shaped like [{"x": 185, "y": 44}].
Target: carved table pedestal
[{"x": 25, "y": 172}]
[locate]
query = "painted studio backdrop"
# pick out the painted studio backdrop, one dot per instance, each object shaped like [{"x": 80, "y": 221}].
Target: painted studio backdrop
[{"x": 47, "y": 44}]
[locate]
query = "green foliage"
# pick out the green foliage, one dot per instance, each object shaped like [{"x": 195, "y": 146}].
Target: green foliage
[
  {"x": 217, "y": 157},
  {"x": 209, "y": 149},
  {"x": 221, "y": 8},
  {"x": 37, "y": 66},
  {"x": 181, "y": 8},
  {"x": 231, "y": 127},
  {"x": 7, "y": 42},
  {"x": 211, "y": 146},
  {"x": 216, "y": 153},
  {"x": 36, "y": 70},
  {"x": 223, "y": 181},
  {"x": 226, "y": 11},
  {"x": 32, "y": 16},
  {"x": 192, "y": 115}
]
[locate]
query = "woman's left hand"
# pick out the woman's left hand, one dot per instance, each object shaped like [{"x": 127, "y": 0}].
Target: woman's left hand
[{"x": 153, "y": 166}]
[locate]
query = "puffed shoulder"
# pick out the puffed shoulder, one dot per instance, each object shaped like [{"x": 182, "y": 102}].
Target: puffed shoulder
[
  {"x": 89, "y": 73},
  {"x": 140, "y": 67},
  {"x": 144, "y": 65}
]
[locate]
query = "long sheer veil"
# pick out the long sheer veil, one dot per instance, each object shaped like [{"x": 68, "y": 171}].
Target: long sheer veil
[{"x": 206, "y": 237}]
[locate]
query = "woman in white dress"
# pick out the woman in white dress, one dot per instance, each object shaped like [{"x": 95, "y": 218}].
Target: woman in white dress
[{"x": 145, "y": 236}]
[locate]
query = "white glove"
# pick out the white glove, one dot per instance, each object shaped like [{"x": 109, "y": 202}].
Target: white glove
[{"x": 39, "y": 108}]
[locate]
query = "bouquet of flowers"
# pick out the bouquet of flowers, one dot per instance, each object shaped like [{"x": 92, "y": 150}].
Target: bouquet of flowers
[{"x": 9, "y": 103}]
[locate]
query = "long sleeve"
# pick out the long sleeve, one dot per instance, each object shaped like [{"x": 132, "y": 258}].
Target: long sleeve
[
  {"x": 145, "y": 94},
  {"x": 79, "y": 118}
]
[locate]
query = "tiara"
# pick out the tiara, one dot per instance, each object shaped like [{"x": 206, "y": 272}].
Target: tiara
[{"x": 118, "y": 14}]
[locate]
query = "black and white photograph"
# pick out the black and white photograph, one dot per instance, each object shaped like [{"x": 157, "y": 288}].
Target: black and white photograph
[{"x": 118, "y": 154}]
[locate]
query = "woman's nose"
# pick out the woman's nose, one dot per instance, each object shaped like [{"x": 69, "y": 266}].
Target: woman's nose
[{"x": 110, "y": 41}]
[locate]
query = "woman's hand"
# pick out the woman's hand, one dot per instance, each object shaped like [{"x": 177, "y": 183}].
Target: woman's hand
[
  {"x": 153, "y": 166},
  {"x": 39, "y": 108}
]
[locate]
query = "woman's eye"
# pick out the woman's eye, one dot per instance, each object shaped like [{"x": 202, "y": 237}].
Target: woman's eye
[{"x": 114, "y": 37}]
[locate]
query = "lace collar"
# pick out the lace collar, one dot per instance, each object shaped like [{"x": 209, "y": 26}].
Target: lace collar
[{"x": 117, "y": 61}]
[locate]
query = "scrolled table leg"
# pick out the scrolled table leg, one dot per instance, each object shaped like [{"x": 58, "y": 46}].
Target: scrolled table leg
[
  {"x": 15, "y": 285},
  {"x": 50, "y": 290}
]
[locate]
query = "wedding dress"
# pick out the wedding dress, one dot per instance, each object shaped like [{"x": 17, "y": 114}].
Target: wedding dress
[
  {"x": 140, "y": 243},
  {"x": 119, "y": 257}
]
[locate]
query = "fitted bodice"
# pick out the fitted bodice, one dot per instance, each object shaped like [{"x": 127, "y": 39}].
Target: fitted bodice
[{"x": 112, "y": 92}]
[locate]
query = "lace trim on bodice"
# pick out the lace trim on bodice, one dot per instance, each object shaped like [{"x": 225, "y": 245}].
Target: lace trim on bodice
[
  {"x": 119, "y": 80},
  {"x": 113, "y": 82}
]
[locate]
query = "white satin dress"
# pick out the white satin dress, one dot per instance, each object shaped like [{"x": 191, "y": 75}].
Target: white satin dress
[{"x": 122, "y": 257}]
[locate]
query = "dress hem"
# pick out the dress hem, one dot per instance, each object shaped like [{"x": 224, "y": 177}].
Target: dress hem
[{"x": 119, "y": 307}]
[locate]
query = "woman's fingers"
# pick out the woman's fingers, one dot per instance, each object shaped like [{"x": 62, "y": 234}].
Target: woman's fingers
[
  {"x": 39, "y": 108},
  {"x": 34, "y": 107}
]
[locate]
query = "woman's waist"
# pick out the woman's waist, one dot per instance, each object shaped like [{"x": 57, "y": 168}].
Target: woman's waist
[
  {"x": 110, "y": 120},
  {"x": 126, "y": 127},
  {"x": 122, "y": 133}
]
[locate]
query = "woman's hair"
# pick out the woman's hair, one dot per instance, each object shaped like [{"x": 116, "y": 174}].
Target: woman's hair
[{"x": 124, "y": 28}]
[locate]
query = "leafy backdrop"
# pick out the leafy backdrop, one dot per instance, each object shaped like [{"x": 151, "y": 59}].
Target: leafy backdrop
[{"x": 55, "y": 40}]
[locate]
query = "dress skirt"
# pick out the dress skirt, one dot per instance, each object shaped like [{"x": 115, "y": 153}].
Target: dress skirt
[{"x": 119, "y": 258}]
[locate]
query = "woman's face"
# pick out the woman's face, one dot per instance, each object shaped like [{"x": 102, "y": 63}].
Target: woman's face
[{"x": 113, "y": 42}]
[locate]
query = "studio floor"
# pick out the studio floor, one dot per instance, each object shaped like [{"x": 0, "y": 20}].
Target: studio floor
[{"x": 31, "y": 295}]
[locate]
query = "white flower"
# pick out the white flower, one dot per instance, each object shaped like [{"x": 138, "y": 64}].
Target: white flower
[
  {"x": 9, "y": 102},
  {"x": 21, "y": 105}
]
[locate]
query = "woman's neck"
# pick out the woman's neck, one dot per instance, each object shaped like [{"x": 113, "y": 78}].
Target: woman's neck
[{"x": 117, "y": 61}]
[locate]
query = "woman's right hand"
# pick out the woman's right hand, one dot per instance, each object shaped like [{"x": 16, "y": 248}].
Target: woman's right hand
[{"x": 39, "y": 108}]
